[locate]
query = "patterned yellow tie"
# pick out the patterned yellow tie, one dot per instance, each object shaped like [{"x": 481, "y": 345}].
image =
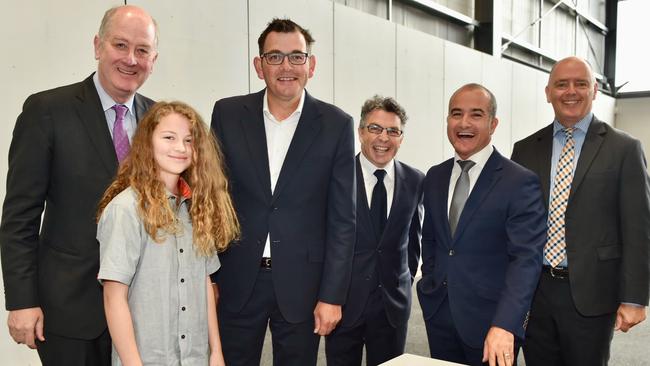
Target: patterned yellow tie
[{"x": 555, "y": 249}]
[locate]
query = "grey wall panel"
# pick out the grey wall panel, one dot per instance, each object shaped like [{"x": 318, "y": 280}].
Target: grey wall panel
[
  {"x": 317, "y": 17},
  {"x": 631, "y": 116},
  {"x": 462, "y": 66},
  {"x": 202, "y": 52},
  {"x": 419, "y": 61},
  {"x": 604, "y": 107},
  {"x": 497, "y": 76},
  {"x": 364, "y": 65},
  {"x": 525, "y": 94}
]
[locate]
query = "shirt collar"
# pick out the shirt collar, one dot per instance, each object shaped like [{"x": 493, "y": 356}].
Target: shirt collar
[
  {"x": 582, "y": 125},
  {"x": 369, "y": 168},
  {"x": 106, "y": 100},
  {"x": 267, "y": 111},
  {"x": 184, "y": 190},
  {"x": 480, "y": 158}
]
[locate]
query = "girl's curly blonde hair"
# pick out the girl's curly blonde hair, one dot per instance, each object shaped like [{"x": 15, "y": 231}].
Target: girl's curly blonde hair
[{"x": 214, "y": 220}]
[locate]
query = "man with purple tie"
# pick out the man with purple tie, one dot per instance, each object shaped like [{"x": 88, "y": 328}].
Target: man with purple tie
[{"x": 66, "y": 146}]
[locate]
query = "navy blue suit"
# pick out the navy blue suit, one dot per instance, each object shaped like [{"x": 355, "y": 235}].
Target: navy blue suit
[
  {"x": 489, "y": 270},
  {"x": 310, "y": 217},
  {"x": 383, "y": 270}
]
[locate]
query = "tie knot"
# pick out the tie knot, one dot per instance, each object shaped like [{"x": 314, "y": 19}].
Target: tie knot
[
  {"x": 380, "y": 174},
  {"x": 120, "y": 111},
  {"x": 569, "y": 132},
  {"x": 466, "y": 165}
]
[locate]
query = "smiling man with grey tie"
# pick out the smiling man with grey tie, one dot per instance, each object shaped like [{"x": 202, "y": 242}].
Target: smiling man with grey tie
[
  {"x": 482, "y": 238},
  {"x": 65, "y": 150}
]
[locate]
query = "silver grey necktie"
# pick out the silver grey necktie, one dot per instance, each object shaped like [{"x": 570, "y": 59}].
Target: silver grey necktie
[{"x": 461, "y": 191}]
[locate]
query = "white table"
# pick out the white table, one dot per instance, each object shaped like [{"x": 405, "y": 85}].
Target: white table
[{"x": 413, "y": 360}]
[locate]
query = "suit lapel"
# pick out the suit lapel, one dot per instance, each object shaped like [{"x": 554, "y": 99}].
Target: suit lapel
[
  {"x": 309, "y": 126},
  {"x": 253, "y": 126},
  {"x": 590, "y": 147},
  {"x": 93, "y": 119},
  {"x": 544, "y": 151},
  {"x": 488, "y": 178},
  {"x": 398, "y": 191},
  {"x": 442, "y": 197},
  {"x": 363, "y": 211}
]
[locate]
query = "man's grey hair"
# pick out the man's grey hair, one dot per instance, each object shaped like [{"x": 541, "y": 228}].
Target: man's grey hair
[{"x": 386, "y": 104}]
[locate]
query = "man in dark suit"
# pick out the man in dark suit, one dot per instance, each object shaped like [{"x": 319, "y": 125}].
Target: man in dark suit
[
  {"x": 595, "y": 277},
  {"x": 482, "y": 238},
  {"x": 290, "y": 160},
  {"x": 387, "y": 249},
  {"x": 63, "y": 156}
]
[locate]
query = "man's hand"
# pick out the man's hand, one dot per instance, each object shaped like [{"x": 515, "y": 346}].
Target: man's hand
[
  {"x": 499, "y": 347},
  {"x": 25, "y": 325},
  {"x": 628, "y": 316},
  {"x": 326, "y": 316}
]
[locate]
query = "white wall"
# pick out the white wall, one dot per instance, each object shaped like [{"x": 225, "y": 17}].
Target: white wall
[
  {"x": 633, "y": 117},
  {"x": 206, "y": 48}
]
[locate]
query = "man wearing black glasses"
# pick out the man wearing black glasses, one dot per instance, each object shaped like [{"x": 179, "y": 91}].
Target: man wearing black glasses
[
  {"x": 389, "y": 210},
  {"x": 290, "y": 159}
]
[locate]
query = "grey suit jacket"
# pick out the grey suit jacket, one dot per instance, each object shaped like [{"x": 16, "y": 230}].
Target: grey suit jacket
[{"x": 607, "y": 217}]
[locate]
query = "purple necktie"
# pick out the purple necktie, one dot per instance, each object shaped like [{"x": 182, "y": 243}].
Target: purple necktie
[{"x": 120, "y": 139}]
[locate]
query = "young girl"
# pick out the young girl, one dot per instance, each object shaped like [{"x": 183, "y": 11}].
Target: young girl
[{"x": 161, "y": 223}]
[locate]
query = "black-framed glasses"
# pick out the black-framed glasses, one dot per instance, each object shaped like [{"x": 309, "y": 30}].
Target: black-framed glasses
[
  {"x": 390, "y": 131},
  {"x": 276, "y": 58}
]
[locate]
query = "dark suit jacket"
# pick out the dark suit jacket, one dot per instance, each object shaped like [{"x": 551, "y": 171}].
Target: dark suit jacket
[
  {"x": 607, "y": 217},
  {"x": 392, "y": 259},
  {"x": 61, "y": 157},
  {"x": 310, "y": 215},
  {"x": 490, "y": 268}
]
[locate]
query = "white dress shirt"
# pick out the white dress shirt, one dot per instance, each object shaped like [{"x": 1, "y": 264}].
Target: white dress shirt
[
  {"x": 480, "y": 158},
  {"x": 278, "y": 138},
  {"x": 130, "y": 122},
  {"x": 369, "y": 180}
]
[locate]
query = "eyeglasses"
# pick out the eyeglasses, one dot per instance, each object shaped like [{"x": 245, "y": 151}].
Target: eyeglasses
[
  {"x": 390, "y": 131},
  {"x": 276, "y": 58}
]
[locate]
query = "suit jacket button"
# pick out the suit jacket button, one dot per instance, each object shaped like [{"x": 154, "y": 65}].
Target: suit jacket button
[
  {"x": 444, "y": 283},
  {"x": 451, "y": 252}
]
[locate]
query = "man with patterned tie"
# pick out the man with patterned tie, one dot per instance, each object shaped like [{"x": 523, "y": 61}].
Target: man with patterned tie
[
  {"x": 387, "y": 249},
  {"x": 595, "y": 277},
  {"x": 482, "y": 238},
  {"x": 65, "y": 151}
]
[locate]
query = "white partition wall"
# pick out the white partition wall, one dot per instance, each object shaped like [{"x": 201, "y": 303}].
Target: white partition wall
[
  {"x": 206, "y": 50},
  {"x": 364, "y": 62},
  {"x": 202, "y": 52},
  {"x": 420, "y": 77},
  {"x": 497, "y": 76}
]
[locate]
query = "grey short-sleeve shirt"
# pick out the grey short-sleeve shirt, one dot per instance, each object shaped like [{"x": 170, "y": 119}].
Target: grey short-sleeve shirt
[{"x": 167, "y": 283}]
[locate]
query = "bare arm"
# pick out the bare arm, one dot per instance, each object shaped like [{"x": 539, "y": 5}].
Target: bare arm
[
  {"x": 120, "y": 323},
  {"x": 216, "y": 354}
]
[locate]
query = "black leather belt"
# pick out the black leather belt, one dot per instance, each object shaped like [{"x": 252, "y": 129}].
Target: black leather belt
[
  {"x": 556, "y": 272},
  {"x": 265, "y": 263}
]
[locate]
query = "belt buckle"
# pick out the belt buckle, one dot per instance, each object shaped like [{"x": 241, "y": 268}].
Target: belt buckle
[{"x": 557, "y": 273}]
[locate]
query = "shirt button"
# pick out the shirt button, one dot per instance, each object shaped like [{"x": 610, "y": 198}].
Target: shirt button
[
  {"x": 182, "y": 280},
  {"x": 451, "y": 252},
  {"x": 181, "y": 250},
  {"x": 183, "y": 308},
  {"x": 182, "y": 336}
]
